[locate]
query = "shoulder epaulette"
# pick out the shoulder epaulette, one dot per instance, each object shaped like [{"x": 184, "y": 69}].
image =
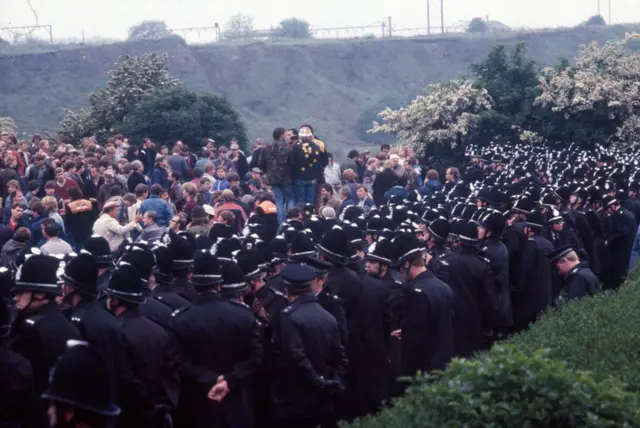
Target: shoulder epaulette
[
  {"x": 278, "y": 293},
  {"x": 179, "y": 311},
  {"x": 241, "y": 304},
  {"x": 484, "y": 259},
  {"x": 416, "y": 290}
]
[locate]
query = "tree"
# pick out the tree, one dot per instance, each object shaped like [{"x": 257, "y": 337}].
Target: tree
[
  {"x": 132, "y": 78},
  {"x": 597, "y": 99},
  {"x": 596, "y": 20},
  {"x": 179, "y": 114},
  {"x": 8, "y": 125},
  {"x": 370, "y": 114},
  {"x": 447, "y": 115},
  {"x": 239, "y": 26},
  {"x": 149, "y": 30},
  {"x": 477, "y": 25},
  {"x": 511, "y": 80},
  {"x": 294, "y": 28}
]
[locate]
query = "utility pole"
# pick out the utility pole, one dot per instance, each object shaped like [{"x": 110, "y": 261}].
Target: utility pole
[
  {"x": 428, "y": 17},
  {"x": 390, "y": 30},
  {"x": 609, "y": 12},
  {"x": 598, "y": 7},
  {"x": 442, "y": 15}
]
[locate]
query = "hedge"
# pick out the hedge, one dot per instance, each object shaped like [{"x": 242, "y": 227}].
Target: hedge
[
  {"x": 601, "y": 334},
  {"x": 578, "y": 366},
  {"x": 507, "y": 388}
]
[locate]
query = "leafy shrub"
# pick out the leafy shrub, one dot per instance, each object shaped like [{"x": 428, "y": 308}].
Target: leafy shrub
[
  {"x": 179, "y": 114},
  {"x": 508, "y": 388},
  {"x": 596, "y": 20},
  {"x": 599, "y": 334}
]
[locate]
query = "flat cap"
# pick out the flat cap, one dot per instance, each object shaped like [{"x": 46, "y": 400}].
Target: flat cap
[{"x": 297, "y": 276}]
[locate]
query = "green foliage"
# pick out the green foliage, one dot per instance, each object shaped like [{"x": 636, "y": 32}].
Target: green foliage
[
  {"x": 599, "y": 333},
  {"x": 294, "y": 28},
  {"x": 133, "y": 78},
  {"x": 510, "y": 388},
  {"x": 149, "y": 30},
  {"x": 177, "y": 114},
  {"x": 596, "y": 20},
  {"x": 238, "y": 27},
  {"x": 511, "y": 80},
  {"x": 477, "y": 25}
]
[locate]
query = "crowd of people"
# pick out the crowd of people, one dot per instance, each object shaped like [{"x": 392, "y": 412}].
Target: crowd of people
[{"x": 155, "y": 287}]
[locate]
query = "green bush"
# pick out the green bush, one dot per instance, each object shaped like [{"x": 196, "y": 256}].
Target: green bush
[
  {"x": 599, "y": 334},
  {"x": 508, "y": 388}
]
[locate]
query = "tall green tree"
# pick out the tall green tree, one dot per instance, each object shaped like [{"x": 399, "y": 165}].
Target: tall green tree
[
  {"x": 238, "y": 27},
  {"x": 179, "y": 114},
  {"x": 511, "y": 80},
  {"x": 477, "y": 25},
  {"x": 132, "y": 79}
]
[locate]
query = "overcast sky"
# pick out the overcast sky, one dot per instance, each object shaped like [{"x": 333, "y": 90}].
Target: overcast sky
[{"x": 112, "y": 18}]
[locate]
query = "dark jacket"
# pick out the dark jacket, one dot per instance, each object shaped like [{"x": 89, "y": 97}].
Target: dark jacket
[
  {"x": 473, "y": 300},
  {"x": 498, "y": 255},
  {"x": 384, "y": 181},
  {"x": 217, "y": 337},
  {"x": 161, "y": 176},
  {"x": 533, "y": 292},
  {"x": 90, "y": 189},
  {"x": 78, "y": 220},
  {"x": 134, "y": 179},
  {"x": 102, "y": 329},
  {"x": 16, "y": 389},
  {"x": 276, "y": 162},
  {"x": 168, "y": 296},
  {"x": 148, "y": 159},
  {"x": 305, "y": 157},
  {"x": 427, "y": 325},
  {"x": 308, "y": 355},
  {"x": 41, "y": 338},
  {"x": 151, "y": 357},
  {"x": 580, "y": 282}
]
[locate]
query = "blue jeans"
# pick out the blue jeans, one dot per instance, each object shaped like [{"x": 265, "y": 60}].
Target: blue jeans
[
  {"x": 283, "y": 195},
  {"x": 305, "y": 191}
]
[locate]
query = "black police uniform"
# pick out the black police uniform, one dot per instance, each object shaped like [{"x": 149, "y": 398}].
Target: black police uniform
[
  {"x": 185, "y": 290},
  {"x": 217, "y": 337},
  {"x": 427, "y": 325},
  {"x": 496, "y": 252},
  {"x": 311, "y": 363},
  {"x": 157, "y": 311},
  {"x": 580, "y": 282},
  {"x": 473, "y": 300},
  {"x": 165, "y": 294},
  {"x": 41, "y": 337},
  {"x": 619, "y": 244},
  {"x": 533, "y": 293}
]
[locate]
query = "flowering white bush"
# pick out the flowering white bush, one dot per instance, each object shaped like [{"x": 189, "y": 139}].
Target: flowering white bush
[
  {"x": 446, "y": 113},
  {"x": 8, "y": 125},
  {"x": 604, "y": 81}
]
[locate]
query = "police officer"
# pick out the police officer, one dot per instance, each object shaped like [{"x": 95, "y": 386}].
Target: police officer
[
  {"x": 533, "y": 293},
  {"x": 182, "y": 250},
  {"x": 99, "y": 248},
  {"x": 311, "y": 363},
  {"x": 220, "y": 348},
  {"x": 426, "y": 329},
  {"x": 40, "y": 330},
  {"x": 490, "y": 229},
  {"x": 80, "y": 389},
  {"x": 101, "y": 329},
  {"x": 149, "y": 347},
  {"x": 620, "y": 241},
  {"x": 161, "y": 283},
  {"x": 16, "y": 392},
  {"x": 154, "y": 308},
  {"x": 280, "y": 255},
  {"x": 473, "y": 293},
  {"x": 579, "y": 280}
]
